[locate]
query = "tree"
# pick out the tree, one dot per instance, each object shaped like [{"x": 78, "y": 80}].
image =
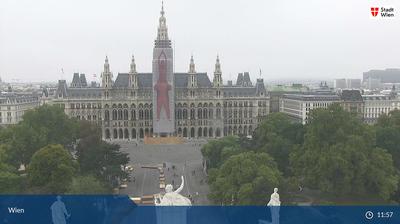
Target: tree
[
  {"x": 388, "y": 137},
  {"x": 51, "y": 169},
  {"x": 244, "y": 179},
  {"x": 10, "y": 181},
  {"x": 388, "y": 134},
  {"x": 40, "y": 127},
  {"x": 87, "y": 185},
  {"x": 101, "y": 160},
  {"x": 217, "y": 151},
  {"x": 277, "y": 135},
  {"x": 339, "y": 155}
]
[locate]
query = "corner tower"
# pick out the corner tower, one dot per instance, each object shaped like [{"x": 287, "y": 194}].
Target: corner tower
[{"x": 163, "y": 82}]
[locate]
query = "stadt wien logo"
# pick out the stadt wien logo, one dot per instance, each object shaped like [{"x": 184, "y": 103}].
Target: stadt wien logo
[
  {"x": 374, "y": 11},
  {"x": 382, "y": 12}
]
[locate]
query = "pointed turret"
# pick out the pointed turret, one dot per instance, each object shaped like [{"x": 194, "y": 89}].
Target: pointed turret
[
  {"x": 217, "y": 81},
  {"x": 192, "y": 72},
  {"x": 106, "y": 66},
  {"x": 192, "y": 69},
  {"x": 133, "y": 74},
  {"x": 133, "y": 65},
  {"x": 106, "y": 75}
]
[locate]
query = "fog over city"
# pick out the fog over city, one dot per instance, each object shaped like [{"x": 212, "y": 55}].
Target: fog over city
[{"x": 286, "y": 39}]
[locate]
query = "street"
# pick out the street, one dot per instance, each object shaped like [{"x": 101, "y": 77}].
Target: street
[{"x": 183, "y": 159}]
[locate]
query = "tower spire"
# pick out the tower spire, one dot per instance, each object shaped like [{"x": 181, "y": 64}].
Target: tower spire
[
  {"x": 162, "y": 31},
  {"x": 133, "y": 65},
  {"x": 192, "y": 69},
  {"x": 106, "y": 75},
  {"x": 217, "y": 81},
  {"x": 133, "y": 74},
  {"x": 162, "y": 8},
  {"x": 106, "y": 65},
  {"x": 217, "y": 66}
]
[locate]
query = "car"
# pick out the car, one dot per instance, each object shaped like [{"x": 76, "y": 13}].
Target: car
[
  {"x": 122, "y": 186},
  {"x": 128, "y": 168}
]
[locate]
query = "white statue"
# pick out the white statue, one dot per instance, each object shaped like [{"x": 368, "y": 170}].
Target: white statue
[
  {"x": 273, "y": 205},
  {"x": 166, "y": 214},
  {"x": 173, "y": 197},
  {"x": 274, "y": 201}
]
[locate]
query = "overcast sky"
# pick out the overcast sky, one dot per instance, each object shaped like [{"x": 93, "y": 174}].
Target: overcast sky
[{"x": 287, "y": 39}]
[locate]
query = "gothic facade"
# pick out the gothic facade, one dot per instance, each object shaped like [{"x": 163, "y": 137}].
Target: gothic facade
[{"x": 165, "y": 103}]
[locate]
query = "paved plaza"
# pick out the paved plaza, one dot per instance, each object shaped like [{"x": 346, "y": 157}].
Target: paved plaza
[{"x": 183, "y": 159}]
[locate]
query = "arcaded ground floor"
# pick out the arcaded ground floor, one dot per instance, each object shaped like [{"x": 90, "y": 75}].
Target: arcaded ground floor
[{"x": 124, "y": 133}]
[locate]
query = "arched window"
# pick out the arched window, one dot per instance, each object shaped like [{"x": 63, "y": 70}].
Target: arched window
[
  {"x": 218, "y": 113},
  {"x": 108, "y": 134},
  {"x": 126, "y": 133},
  {"x": 192, "y": 114},
  {"x": 119, "y": 114},
  {"x": 192, "y": 133},
  {"x": 120, "y": 134},
  {"x": 218, "y": 133},
  {"x": 179, "y": 114},
  {"x": 140, "y": 114},
  {"x": 141, "y": 133},
  {"x": 114, "y": 115},
  {"x": 133, "y": 133},
  {"x": 133, "y": 115},
  {"x": 184, "y": 114},
  {"x": 126, "y": 114},
  {"x": 107, "y": 115}
]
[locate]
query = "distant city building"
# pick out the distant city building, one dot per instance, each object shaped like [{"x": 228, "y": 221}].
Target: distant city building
[
  {"x": 14, "y": 105},
  {"x": 353, "y": 83},
  {"x": 347, "y": 83},
  {"x": 372, "y": 83},
  {"x": 277, "y": 91},
  {"x": 375, "y": 106},
  {"x": 298, "y": 106},
  {"x": 163, "y": 102},
  {"x": 391, "y": 75},
  {"x": 323, "y": 88},
  {"x": 340, "y": 84},
  {"x": 352, "y": 101}
]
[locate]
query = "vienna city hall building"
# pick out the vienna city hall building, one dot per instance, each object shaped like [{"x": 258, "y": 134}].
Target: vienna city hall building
[{"x": 165, "y": 103}]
